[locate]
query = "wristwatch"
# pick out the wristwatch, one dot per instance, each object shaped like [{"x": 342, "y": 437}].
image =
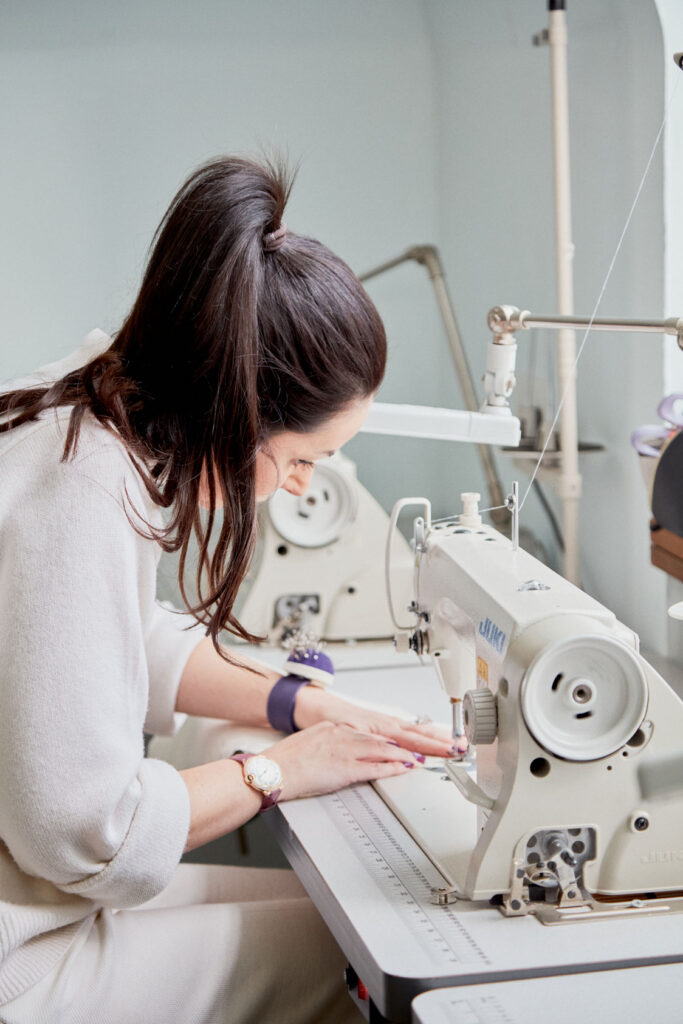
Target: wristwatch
[{"x": 261, "y": 774}]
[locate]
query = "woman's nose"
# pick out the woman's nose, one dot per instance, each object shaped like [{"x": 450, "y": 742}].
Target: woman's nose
[{"x": 297, "y": 482}]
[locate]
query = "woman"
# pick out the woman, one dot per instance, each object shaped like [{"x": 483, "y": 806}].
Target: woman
[{"x": 249, "y": 353}]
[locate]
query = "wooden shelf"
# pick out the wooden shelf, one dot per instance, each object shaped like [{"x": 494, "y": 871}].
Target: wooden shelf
[{"x": 666, "y": 550}]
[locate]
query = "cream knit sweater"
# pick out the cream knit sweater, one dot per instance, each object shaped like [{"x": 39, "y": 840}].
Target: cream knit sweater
[{"x": 88, "y": 661}]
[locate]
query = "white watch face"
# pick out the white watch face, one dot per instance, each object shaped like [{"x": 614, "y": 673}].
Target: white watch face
[{"x": 262, "y": 773}]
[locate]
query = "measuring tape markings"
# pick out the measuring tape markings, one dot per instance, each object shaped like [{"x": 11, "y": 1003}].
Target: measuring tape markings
[
  {"x": 485, "y": 1010},
  {"x": 393, "y": 867}
]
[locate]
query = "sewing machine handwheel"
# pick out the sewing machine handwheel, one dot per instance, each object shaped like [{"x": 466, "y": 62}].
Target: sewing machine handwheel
[
  {"x": 319, "y": 516},
  {"x": 584, "y": 698},
  {"x": 480, "y": 715}
]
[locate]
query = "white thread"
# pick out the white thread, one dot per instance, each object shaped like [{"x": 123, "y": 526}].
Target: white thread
[
  {"x": 457, "y": 515},
  {"x": 572, "y": 378}
]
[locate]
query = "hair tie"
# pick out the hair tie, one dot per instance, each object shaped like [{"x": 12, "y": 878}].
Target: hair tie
[{"x": 275, "y": 239}]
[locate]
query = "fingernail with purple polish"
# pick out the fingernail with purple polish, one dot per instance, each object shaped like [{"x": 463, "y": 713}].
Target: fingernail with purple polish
[
  {"x": 408, "y": 764},
  {"x": 419, "y": 757}
]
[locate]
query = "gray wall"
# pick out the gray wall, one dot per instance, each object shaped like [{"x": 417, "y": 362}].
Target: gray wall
[
  {"x": 414, "y": 122},
  {"x": 107, "y": 107},
  {"x": 495, "y": 153}
]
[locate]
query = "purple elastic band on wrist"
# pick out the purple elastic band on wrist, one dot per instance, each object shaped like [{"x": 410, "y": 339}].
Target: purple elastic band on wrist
[{"x": 281, "y": 701}]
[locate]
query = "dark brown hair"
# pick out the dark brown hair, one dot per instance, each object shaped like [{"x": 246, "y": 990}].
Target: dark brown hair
[{"x": 227, "y": 344}]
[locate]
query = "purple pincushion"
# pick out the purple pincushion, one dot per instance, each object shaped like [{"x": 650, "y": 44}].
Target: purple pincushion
[{"x": 311, "y": 664}]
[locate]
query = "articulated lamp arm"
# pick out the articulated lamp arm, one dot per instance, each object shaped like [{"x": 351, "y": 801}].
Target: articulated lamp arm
[{"x": 504, "y": 321}]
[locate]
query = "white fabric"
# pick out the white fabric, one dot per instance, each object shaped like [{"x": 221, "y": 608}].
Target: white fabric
[
  {"x": 88, "y": 661},
  {"x": 219, "y": 946}
]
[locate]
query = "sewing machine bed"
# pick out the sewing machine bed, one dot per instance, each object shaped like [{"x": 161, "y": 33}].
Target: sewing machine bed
[{"x": 436, "y": 815}]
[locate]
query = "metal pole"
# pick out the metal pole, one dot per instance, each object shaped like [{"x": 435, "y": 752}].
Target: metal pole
[
  {"x": 428, "y": 256},
  {"x": 672, "y": 325},
  {"x": 570, "y": 480},
  {"x": 504, "y": 320}
]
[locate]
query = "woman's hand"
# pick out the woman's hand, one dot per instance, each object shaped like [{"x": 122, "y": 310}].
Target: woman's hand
[
  {"x": 327, "y": 757},
  {"x": 315, "y": 705}
]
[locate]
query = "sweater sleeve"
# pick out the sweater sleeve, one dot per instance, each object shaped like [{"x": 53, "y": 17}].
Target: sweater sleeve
[
  {"x": 171, "y": 639},
  {"x": 80, "y": 806}
]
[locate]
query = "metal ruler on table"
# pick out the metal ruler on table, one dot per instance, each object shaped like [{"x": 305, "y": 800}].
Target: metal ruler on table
[{"x": 404, "y": 875}]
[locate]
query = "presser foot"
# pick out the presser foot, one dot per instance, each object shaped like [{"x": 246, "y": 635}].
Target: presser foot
[
  {"x": 546, "y": 880},
  {"x": 556, "y": 879},
  {"x": 547, "y": 871}
]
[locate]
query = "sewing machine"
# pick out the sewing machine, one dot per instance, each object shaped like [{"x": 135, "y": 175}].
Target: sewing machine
[
  {"x": 319, "y": 568},
  {"x": 568, "y": 728}
]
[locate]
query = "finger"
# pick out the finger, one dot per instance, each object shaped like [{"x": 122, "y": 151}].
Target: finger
[
  {"x": 420, "y": 744},
  {"x": 390, "y": 750},
  {"x": 433, "y": 729},
  {"x": 428, "y": 746},
  {"x": 407, "y": 736},
  {"x": 384, "y": 769},
  {"x": 370, "y": 746}
]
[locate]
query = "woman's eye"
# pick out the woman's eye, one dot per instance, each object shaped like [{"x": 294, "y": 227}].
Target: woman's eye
[{"x": 304, "y": 462}]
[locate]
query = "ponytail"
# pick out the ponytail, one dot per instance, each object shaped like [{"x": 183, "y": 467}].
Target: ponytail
[{"x": 241, "y": 330}]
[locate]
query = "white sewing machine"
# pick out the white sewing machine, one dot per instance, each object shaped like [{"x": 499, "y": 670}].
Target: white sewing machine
[
  {"x": 570, "y": 725},
  {"x": 320, "y": 566}
]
